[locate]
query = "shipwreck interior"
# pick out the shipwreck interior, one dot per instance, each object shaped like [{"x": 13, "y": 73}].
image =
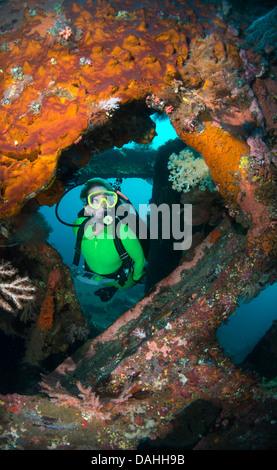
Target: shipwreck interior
[{"x": 141, "y": 171}]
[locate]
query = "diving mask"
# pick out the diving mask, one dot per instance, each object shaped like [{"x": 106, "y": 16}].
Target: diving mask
[{"x": 99, "y": 198}]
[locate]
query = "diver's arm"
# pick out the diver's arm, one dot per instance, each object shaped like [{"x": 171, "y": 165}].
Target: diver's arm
[{"x": 134, "y": 249}]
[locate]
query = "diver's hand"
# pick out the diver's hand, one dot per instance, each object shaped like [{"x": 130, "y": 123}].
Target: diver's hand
[{"x": 140, "y": 280}]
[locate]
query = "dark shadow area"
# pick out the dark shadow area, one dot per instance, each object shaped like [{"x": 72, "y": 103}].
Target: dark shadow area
[
  {"x": 187, "y": 430},
  {"x": 130, "y": 122},
  {"x": 12, "y": 350},
  {"x": 263, "y": 358},
  {"x": 162, "y": 258}
]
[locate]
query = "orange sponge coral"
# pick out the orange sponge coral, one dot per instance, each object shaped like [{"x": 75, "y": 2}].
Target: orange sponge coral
[
  {"x": 45, "y": 319},
  {"x": 222, "y": 153},
  {"x": 55, "y": 72}
]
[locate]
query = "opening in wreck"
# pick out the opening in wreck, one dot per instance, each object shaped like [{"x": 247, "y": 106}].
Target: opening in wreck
[
  {"x": 146, "y": 173},
  {"x": 143, "y": 172}
]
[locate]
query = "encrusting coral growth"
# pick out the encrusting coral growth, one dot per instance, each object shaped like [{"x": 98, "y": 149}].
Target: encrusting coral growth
[
  {"x": 45, "y": 319},
  {"x": 88, "y": 402},
  {"x": 75, "y": 65},
  {"x": 189, "y": 171},
  {"x": 215, "y": 76}
]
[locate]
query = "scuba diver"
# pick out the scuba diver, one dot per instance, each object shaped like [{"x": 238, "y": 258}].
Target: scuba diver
[{"x": 113, "y": 254}]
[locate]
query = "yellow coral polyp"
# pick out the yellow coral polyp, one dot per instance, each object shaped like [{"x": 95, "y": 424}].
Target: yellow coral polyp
[{"x": 244, "y": 163}]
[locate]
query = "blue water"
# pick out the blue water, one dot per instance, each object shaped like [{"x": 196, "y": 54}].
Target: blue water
[
  {"x": 248, "y": 324},
  {"x": 244, "y": 328},
  {"x": 164, "y": 130}
]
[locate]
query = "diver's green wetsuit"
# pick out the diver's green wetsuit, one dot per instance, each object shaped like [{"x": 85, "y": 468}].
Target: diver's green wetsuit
[{"x": 101, "y": 255}]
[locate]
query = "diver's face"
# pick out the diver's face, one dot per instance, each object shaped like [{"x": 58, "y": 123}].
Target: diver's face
[{"x": 96, "y": 211}]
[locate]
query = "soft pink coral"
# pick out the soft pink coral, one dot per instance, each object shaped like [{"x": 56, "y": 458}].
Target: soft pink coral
[{"x": 66, "y": 33}]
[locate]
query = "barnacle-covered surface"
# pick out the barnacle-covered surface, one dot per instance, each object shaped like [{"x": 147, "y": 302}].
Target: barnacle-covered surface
[{"x": 68, "y": 76}]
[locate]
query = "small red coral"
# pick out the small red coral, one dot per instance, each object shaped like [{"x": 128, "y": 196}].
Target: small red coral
[
  {"x": 66, "y": 33},
  {"x": 54, "y": 278}
]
